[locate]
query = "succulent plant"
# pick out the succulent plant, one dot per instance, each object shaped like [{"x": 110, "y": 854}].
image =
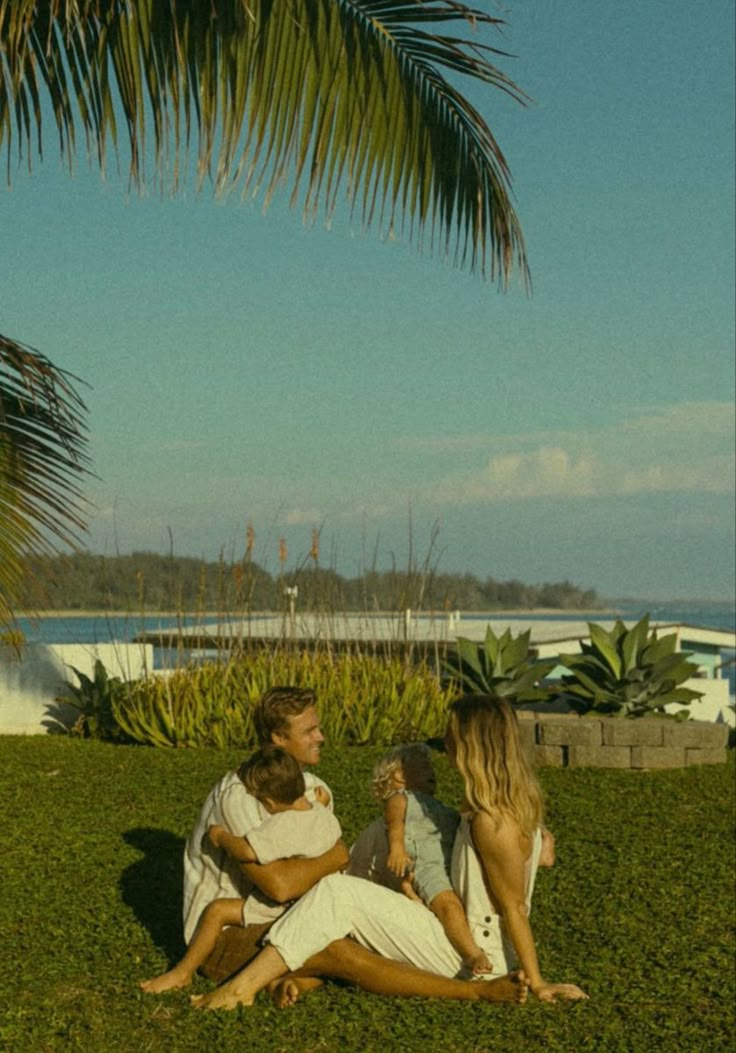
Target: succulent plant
[
  {"x": 501, "y": 666},
  {"x": 96, "y": 699},
  {"x": 628, "y": 672}
]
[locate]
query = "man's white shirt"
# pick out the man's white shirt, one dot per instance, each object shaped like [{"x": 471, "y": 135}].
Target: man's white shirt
[{"x": 209, "y": 873}]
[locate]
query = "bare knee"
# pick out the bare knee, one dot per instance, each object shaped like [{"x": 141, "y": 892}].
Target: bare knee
[{"x": 223, "y": 912}]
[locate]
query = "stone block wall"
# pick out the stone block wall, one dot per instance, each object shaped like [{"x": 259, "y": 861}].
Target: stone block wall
[{"x": 566, "y": 740}]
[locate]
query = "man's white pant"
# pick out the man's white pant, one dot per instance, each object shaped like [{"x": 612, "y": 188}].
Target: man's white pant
[{"x": 381, "y": 920}]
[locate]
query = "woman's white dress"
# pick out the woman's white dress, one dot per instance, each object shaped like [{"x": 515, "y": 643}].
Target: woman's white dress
[{"x": 395, "y": 927}]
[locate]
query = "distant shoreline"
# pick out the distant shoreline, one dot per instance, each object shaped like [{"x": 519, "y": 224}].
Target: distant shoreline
[{"x": 209, "y": 615}]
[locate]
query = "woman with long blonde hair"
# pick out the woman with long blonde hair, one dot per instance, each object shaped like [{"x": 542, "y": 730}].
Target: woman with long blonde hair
[
  {"x": 348, "y": 928},
  {"x": 501, "y": 840}
]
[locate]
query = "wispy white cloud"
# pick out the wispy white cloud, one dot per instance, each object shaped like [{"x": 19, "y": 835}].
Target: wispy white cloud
[
  {"x": 684, "y": 448},
  {"x": 702, "y": 418}
]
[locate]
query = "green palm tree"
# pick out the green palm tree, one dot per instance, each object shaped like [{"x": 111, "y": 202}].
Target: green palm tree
[
  {"x": 329, "y": 96},
  {"x": 42, "y": 460}
]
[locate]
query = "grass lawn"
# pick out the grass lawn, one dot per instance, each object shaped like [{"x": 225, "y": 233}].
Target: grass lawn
[{"x": 639, "y": 911}]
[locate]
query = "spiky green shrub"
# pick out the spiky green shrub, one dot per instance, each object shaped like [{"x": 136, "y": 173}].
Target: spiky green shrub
[
  {"x": 361, "y": 698},
  {"x": 628, "y": 672},
  {"x": 97, "y": 699},
  {"x": 502, "y": 666}
]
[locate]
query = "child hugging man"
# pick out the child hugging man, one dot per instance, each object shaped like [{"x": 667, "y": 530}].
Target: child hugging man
[
  {"x": 294, "y": 827},
  {"x": 421, "y": 832}
]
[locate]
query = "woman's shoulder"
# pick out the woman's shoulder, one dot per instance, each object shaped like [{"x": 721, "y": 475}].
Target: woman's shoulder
[{"x": 495, "y": 828}]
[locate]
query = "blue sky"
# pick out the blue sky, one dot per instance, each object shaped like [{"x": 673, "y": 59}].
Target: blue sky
[{"x": 244, "y": 367}]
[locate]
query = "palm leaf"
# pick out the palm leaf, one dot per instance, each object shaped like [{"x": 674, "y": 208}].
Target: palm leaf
[
  {"x": 326, "y": 94},
  {"x": 42, "y": 440}
]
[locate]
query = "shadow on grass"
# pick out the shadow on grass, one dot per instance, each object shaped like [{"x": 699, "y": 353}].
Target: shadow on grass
[{"x": 153, "y": 887}]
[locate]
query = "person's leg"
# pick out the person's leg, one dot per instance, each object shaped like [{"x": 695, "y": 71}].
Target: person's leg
[
  {"x": 446, "y": 906},
  {"x": 243, "y": 988},
  {"x": 386, "y": 922},
  {"x": 219, "y": 913},
  {"x": 381, "y": 920},
  {"x": 347, "y": 960}
]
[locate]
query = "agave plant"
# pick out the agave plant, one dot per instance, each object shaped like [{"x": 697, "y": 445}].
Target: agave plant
[
  {"x": 628, "y": 672},
  {"x": 501, "y": 666},
  {"x": 96, "y": 698}
]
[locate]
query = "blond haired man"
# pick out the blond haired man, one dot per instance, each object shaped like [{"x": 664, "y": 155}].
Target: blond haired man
[{"x": 286, "y": 717}]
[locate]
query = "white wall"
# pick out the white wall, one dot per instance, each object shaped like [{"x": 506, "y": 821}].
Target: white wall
[
  {"x": 715, "y": 705},
  {"x": 30, "y": 683}
]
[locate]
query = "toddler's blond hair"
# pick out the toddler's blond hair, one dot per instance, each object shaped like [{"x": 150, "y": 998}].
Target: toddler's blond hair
[{"x": 396, "y": 760}]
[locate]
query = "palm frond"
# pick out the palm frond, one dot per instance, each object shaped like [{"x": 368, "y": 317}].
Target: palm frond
[
  {"x": 355, "y": 95},
  {"x": 42, "y": 458}
]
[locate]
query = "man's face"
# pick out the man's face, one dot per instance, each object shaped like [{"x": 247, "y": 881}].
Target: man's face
[{"x": 303, "y": 738}]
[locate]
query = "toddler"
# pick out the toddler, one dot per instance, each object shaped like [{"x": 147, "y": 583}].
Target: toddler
[
  {"x": 421, "y": 832},
  {"x": 294, "y": 827}
]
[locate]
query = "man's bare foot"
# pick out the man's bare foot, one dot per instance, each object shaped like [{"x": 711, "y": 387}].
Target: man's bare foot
[
  {"x": 287, "y": 990},
  {"x": 170, "y": 981},
  {"x": 221, "y": 998},
  {"x": 511, "y": 988}
]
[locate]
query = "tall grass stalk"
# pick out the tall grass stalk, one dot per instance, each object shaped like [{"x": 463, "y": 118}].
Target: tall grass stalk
[{"x": 361, "y": 698}]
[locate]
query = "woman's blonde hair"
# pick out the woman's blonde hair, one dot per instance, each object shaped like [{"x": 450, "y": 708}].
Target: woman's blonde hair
[
  {"x": 398, "y": 759},
  {"x": 489, "y": 756}
]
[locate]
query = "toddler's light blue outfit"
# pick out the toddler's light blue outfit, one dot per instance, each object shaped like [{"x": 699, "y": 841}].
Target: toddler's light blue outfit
[{"x": 429, "y": 834}]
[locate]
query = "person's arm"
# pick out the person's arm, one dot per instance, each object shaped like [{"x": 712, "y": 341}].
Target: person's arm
[
  {"x": 547, "y": 851},
  {"x": 394, "y": 814},
  {"x": 238, "y": 811},
  {"x": 238, "y": 848},
  {"x": 500, "y": 849},
  {"x": 287, "y": 879}
]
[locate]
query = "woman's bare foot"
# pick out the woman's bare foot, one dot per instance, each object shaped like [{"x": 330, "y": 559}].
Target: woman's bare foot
[
  {"x": 511, "y": 988},
  {"x": 546, "y": 992},
  {"x": 170, "y": 981},
  {"x": 287, "y": 990}
]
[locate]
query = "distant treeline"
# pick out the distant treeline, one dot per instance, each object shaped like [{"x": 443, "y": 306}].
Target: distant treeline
[{"x": 152, "y": 582}]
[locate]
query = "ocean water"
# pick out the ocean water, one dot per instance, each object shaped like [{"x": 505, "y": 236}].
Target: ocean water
[
  {"x": 102, "y": 628},
  {"x": 720, "y": 615},
  {"x": 91, "y": 629}
]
